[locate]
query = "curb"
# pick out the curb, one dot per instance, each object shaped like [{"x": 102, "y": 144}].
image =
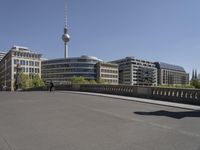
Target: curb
[{"x": 141, "y": 100}]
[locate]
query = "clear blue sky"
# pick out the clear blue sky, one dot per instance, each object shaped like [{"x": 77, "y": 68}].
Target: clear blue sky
[{"x": 156, "y": 30}]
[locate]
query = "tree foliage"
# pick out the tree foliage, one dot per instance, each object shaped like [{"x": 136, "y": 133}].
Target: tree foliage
[
  {"x": 82, "y": 80},
  {"x": 178, "y": 86},
  {"x": 195, "y": 83},
  {"x": 37, "y": 81},
  {"x": 78, "y": 80},
  {"x": 101, "y": 81},
  {"x": 24, "y": 81},
  {"x": 29, "y": 82}
]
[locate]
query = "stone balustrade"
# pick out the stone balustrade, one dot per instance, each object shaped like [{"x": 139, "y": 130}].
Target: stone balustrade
[{"x": 189, "y": 96}]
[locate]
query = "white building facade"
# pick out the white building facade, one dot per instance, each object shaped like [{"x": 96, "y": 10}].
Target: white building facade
[
  {"x": 28, "y": 61},
  {"x": 2, "y": 54},
  {"x": 134, "y": 71}
]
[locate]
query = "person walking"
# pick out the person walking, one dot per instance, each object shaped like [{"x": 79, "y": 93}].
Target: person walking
[{"x": 51, "y": 86}]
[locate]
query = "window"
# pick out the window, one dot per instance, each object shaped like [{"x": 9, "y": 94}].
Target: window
[
  {"x": 31, "y": 63},
  {"x": 36, "y": 70},
  {"x": 36, "y": 63},
  {"x": 15, "y": 61},
  {"x": 23, "y": 69}
]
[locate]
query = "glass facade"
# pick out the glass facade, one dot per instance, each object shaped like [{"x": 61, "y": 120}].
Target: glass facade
[
  {"x": 62, "y": 70},
  {"x": 171, "y": 74}
]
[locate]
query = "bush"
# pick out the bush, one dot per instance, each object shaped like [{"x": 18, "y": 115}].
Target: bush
[
  {"x": 27, "y": 82},
  {"x": 195, "y": 83}
]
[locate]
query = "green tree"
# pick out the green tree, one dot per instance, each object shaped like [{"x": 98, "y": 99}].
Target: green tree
[
  {"x": 78, "y": 80},
  {"x": 24, "y": 81},
  {"x": 101, "y": 81},
  {"x": 37, "y": 81},
  {"x": 92, "y": 82},
  {"x": 195, "y": 83},
  {"x": 178, "y": 86},
  {"x": 28, "y": 82}
]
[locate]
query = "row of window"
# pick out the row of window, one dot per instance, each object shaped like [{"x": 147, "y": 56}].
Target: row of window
[
  {"x": 27, "y": 55},
  {"x": 27, "y": 70},
  {"x": 70, "y": 60},
  {"x": 109, "y": 76},
  {"x": 109, "y": 71},
  {"x": 92, "y": 71},
  {"x": 67, "y": 66},
  {"x": 68, "y": 76},
  {"x": 31, "y": 76},
  {"x": 140, "y": 64},
  {"x": 110, "y": 81},
  {"x": 26, "y": 62}
]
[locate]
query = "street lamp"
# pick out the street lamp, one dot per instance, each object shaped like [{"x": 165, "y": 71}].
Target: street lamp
[
  {"x": 5, "y": 73},
  {"x": 17, "y": 80}
]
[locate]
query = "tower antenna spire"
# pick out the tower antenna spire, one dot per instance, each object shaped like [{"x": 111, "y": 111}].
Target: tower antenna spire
[
  {"x": 65, "y": 13},
  {"x": 65, "y": 36}
]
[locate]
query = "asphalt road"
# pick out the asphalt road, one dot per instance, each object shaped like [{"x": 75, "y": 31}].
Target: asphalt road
[{"x": 66, "y": 121}]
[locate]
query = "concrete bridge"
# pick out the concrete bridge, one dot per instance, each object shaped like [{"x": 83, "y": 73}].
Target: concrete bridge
[
  {"x": 188, "y": 96},
  {"x": 76, "y": 121}
]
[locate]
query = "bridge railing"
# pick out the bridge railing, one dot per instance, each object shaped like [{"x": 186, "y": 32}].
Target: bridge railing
[
  {"x": 186, "y": 95},
  {"x": 189, "y": 96}
]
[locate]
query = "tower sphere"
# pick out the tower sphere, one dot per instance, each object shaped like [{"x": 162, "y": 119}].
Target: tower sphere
[{"x": 66, "y": 38}]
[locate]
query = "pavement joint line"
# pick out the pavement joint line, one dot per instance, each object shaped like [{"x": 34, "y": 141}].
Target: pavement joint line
[{"x": 141, "y": 100}]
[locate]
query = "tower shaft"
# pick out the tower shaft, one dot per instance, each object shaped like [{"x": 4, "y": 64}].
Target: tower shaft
[{"x": 65, "y": 50}]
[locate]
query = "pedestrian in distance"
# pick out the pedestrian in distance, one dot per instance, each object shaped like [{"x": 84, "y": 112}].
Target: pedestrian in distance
[{"x": 51, "y": 86}]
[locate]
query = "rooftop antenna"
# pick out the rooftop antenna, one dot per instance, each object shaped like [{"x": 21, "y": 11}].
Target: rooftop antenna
[{"x": 65, "y": 13}]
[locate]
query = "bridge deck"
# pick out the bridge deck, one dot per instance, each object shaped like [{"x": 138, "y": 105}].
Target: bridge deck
[{"x": 59, "y": 120}]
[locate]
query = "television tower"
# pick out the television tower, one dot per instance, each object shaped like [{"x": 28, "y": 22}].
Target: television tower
[{"x": 65, "y": 36}]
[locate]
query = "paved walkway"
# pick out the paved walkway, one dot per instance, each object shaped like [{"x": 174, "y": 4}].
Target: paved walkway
[{"x": 73, "y": 121}]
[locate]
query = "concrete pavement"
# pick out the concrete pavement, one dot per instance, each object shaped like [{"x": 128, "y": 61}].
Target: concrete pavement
[{"x": 72, "y": 121}]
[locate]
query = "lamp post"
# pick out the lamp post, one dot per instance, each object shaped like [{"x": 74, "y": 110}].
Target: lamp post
[
  {"x": 5, "y": 74},
  {"x": 17, "y": 80}
]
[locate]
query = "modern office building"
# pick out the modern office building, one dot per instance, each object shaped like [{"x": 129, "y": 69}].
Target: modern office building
[
  {"x": 107, "y": 72},
  {"x": 134, "y": 71},
  {"x": 60, "y": 71},
  {"x": 2, "y": 54},
  {"x": 171, "y": 74},
  {"x": 18, "y": 56}
]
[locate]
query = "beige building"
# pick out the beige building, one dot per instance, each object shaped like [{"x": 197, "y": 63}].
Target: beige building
[
  {"x": 107, "y": 72},
  {"x": 28, "y": 61}
]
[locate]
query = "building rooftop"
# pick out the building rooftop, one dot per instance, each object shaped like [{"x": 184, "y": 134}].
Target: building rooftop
[
  {"x": 1, "y": 52},
  {"x": 162, "y": 65},
  {"x": 74, "y": 58},
  {"x": 20, "y": 48}
]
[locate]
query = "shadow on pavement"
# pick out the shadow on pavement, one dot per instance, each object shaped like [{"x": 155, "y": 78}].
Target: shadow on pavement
[{"x": 176, "y": 115}]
